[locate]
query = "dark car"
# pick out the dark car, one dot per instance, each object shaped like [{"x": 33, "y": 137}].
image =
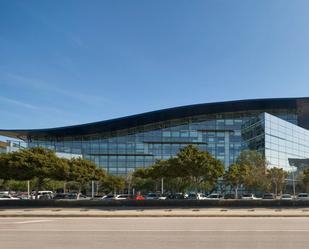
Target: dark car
[
  {"x": 60, "y": 196},
  {"x": 230, "y": 196},
  {"x": 176, "y": 196},
  {"x": 269, "y": 196},
  {"x": 68, "y": 195}
]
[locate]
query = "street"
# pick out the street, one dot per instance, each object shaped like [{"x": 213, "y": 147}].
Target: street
[{"x": 158, "y": 232}]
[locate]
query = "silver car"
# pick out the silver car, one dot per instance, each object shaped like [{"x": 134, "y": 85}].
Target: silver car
[
  {"x": 249, "y": 197},
  {"x": 303, "y": 197},
  {"x": 286, "y": 197},
  {"x": 8, "y": 197}
]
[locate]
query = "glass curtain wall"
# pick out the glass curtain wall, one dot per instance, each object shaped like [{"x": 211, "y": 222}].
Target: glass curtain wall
[
  {"x": 280, "y": 141},
  {"x": 125, "y": 150}
]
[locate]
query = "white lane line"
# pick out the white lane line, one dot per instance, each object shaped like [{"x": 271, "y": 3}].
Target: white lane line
[
  {"x": 142, "y": 230},
  {"x": 31, "y": 221},
  {"x": 167, "y": 218}
]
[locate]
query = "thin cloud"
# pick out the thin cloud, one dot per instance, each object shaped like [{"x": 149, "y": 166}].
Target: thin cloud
[
  {"x": 39, "y": 84},
  {"x": 43, "y": 114},
  {"x": 17, "y": 103}
]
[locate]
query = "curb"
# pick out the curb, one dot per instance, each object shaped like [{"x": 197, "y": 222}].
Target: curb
[{"x": 148, "y": 215}]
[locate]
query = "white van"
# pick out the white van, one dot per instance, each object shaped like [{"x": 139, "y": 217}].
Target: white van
[{"x": 44, "y": 195}]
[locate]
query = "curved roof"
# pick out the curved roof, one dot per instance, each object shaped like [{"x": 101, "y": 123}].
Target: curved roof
[{"x": 167, "y": 114}]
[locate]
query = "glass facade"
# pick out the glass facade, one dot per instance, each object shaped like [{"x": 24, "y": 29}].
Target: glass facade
[
  {"x": 280, "y": 141},
  {"x": 120, "y": 152}
]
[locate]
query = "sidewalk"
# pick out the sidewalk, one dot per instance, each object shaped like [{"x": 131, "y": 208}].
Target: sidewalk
[{"x": 179, "y": 212}]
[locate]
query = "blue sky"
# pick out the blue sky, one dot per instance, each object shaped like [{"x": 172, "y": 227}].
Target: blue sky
[{"x": 70, "y": 62}]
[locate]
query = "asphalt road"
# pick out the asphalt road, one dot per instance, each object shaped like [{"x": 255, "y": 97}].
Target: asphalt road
[{"x": 154, "y": 233}]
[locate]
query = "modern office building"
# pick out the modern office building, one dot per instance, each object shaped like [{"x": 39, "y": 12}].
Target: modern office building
[
  {"x": 224, "y": 129},
  {"x": 282, "y": 143}
]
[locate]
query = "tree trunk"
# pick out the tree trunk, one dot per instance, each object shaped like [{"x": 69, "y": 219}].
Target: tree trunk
[
  {"x": 38, "y": 186},
  {"x": 97, "y": 189},
  {"x": 64, "y": 187},
  {"x": 236, "y": 192},
  {"x": 79, "y": 192}
]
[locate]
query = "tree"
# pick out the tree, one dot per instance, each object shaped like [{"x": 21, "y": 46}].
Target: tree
[
  {"x": 189, "y": 167},
  {"x": 114, "y": 184},
  {"x": 141, "y": 181},
  {"x": 83, "y": 171},
  {"x": 141, "y": 173},
  {"x": 277, "y": 177},
  {"x": 236, "y": 175},
  {"x": 4, "y": 175},
  {"x": 41, "y": 164},
  {"x": 200, "y": 166},
  {"x": 15, "y": 166},
  {"x": 44, "y": 164},
  {"x": 34, "y": 163},
  {"x": 256, "y": 178},
  {"x": 305, "y": 179}
]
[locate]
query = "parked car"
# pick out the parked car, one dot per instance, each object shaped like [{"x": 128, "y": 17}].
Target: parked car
[
  {"x": 269, "y": 196},
  {"x": 229, "y": 196},
  {"x": 151, "y": 196},
  {"x": 22, "y": 196},
  {"x": 43, "y": 195},
  {"x": 303, "y": 197},
  {"x": 8, "y": 197},
  {"x": 177, "y": 196},
  {"x": 196, "y": 196},
  {"x": 287, "y": 197},
  {"x": 214, "y": 197},
  {"x": 122, "y": 197},
  {"x": 191, "y": 196},
  {"x": 162, "y": 197},
  {"x": 249, "y": 197},
  {"x": 70, "y": 196},
  {"x": 60, "y": 196},
  {"x": 108, "y": 197},
  {"x": 200, "y": 196}
]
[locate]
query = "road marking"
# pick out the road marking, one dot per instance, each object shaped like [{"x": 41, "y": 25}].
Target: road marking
[
  {"x": 147, "y": 231},
  {"x": 31, "y": 221},
  {"x": 165, "y": 218}
]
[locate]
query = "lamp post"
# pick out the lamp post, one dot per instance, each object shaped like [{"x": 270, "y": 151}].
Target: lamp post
[
  {"x": 162, "y": 186},
  {"x": 92, "y": 189},
  {"x": 28, "y": 187},
  {"x": 293, "y": 179}
]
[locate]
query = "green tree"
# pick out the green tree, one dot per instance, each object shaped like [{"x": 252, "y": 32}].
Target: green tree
[
  {"x": 236, "y": 176},
  {"x": 15, "y": 166},
  {"x": 141, "y": 173},
  {"x": 190, "y": 167},
  {"x": 277, "y": 177},
  {"x": 256, "y": 178},
  {"x": 200, "y": 166},
  {"x": 83, "y": 171},
  {"x": 305, "y": 179},
  {"x": 141, "y": 180},
  {"x": 4, "y": 175},
  {"x": 113, "y": 184},
  {"x": 34, "y": 163}
]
